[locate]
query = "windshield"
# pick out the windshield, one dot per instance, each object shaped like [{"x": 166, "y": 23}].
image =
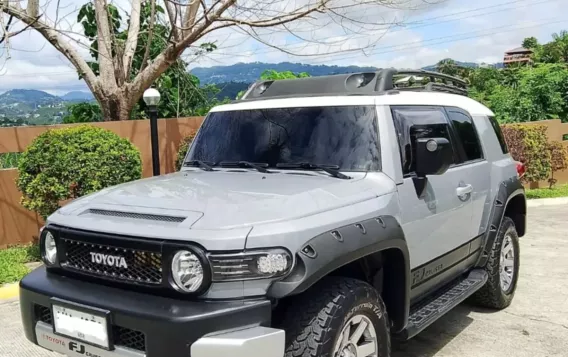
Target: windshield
[{"x": 344, "y": 136}]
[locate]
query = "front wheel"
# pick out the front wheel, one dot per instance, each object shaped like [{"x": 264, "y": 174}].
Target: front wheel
[{"x": 338, "y": 317}]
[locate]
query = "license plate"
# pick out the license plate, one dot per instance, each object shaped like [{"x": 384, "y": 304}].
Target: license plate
[{"x": 84, "y": 325}]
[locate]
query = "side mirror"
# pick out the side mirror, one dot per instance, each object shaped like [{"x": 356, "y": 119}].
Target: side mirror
[{"x": 433, "y": 156}]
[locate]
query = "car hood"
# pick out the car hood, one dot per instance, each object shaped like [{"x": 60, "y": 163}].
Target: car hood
[{"x": 215, "y": 201}]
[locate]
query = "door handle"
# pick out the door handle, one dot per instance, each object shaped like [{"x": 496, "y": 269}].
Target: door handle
[{"x": 464, "y": 190}]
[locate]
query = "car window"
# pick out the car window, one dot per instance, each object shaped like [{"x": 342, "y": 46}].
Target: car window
[
  {"x": 466, "y": 133},
  {"x": 346, "y": 136},
  {"x": 499, "y": 134},
  {"x": 415, "y": 122}
]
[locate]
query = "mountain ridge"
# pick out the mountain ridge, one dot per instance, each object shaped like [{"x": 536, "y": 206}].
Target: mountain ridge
[{"x": 250, "y": 72}]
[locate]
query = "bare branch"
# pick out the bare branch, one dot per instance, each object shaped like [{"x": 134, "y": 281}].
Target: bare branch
[
  {"x": 150, "y": 34},
  {"x": 5, "y": 28},
  {"x": 173, "y": 15},
  {"x": 33, "y": 8},
  {"x": 55, "y": 39},
  {"x": 104, "y": 41},
  {"x": 190, "y": 14},
  {"x": 132, "y": 39}
]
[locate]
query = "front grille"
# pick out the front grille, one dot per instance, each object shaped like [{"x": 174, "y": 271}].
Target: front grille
[
  {"x": 112, "y": 262},
  {"x": 43, "y": 314},
  {"x": 134, "y": 215},
  {"x": 129, "y": 338},
  {"x": 122, "y": 336}
]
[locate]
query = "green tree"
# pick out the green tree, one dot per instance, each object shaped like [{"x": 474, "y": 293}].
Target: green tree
[
  {"x": 272, "y": 75},
  {"x": 447, "y": 66},
  {"x": 528, "y": 94},
  {"x": 530, "y": 43},
  {"x": 555, "y": 51},
  {"x": 181, "y": 94},
  {"x": 82, "y": 113}
]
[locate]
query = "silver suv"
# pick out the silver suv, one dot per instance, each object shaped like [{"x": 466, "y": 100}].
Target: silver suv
[{"x": 314, "y": 217}]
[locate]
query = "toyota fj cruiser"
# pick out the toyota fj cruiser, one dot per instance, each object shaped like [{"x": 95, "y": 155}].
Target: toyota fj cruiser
[{"x": 314, "y": 217}]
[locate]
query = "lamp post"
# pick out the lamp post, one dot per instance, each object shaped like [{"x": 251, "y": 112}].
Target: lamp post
[{"x": 152, "y": 98}]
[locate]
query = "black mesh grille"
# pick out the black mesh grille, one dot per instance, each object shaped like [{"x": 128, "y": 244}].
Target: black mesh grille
[
  {"x": 43, "y": 314},
  {"x": 133, "y": 215},
  {"x": 123, "y": 264},
  {"x": 129, "y": 338}
]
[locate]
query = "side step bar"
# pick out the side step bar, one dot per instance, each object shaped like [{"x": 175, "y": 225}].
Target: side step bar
[{"x": 426, "y": 313}]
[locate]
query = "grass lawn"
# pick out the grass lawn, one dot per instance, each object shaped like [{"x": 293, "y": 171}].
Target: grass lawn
[
  {"x": 12, "y": 262},
  {"x": 558, "y": 191}
]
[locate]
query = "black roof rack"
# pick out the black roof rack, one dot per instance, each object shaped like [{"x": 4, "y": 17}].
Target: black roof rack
[{"x": 383, "y": 81}]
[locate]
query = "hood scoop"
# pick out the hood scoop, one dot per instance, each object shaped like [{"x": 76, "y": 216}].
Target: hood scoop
[{"x": 134, "y": 215}]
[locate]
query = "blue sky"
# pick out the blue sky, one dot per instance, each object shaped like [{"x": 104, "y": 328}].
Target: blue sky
[{"x": 487, "y": 28}]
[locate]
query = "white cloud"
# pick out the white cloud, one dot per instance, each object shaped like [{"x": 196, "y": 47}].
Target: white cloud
[{"x": 431, "y": 35}]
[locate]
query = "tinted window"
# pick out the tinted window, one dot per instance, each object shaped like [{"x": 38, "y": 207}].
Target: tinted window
[
  {"x": 418, "y": 122},
  {"x": 499, "y": 134},
  {"x": 465, "y": 131},
  {"x": 343, "y": 136}
]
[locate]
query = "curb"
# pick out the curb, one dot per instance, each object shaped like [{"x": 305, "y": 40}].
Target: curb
[
  {"x": 547, "y": 202},
  {"x": 9, "y": 291}
]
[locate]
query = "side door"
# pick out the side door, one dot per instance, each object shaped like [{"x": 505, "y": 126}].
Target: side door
[
  {"x": 474, "y": 163},
  {"x": 437, "y": 225}
]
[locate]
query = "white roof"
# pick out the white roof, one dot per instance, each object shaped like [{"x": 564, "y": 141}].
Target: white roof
[{"x": 402, "y": 98}]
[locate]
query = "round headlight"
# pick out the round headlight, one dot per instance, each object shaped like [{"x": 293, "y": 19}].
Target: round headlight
[
  {"x": 187, "y": 271},
  {"x": 49, "y": 249}
]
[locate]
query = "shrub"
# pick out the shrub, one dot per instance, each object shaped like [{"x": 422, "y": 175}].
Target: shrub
[
  {"x": 183, "y": 146},
  {"x": 558, "y": 160},
  {"x": 63, "y": 164},
  {"x": 529, "y": 145}
]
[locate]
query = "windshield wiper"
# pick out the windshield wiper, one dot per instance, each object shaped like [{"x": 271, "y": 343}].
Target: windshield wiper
[
  {"x": 333, "y": 170},
  {"x": 261, "y": 167},
  {"x": 206, "y": 166}
]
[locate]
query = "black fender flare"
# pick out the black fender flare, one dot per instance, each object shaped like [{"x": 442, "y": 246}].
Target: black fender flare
[
  {"x": 335, "y": 248},
  {"x": 508, "y": 189}
]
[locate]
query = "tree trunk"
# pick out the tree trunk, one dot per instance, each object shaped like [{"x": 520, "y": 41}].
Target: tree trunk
[{"x": 116, "y": 107}]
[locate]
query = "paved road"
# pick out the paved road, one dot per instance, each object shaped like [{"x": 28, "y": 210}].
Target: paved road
[{"x": 535, "y": 325}]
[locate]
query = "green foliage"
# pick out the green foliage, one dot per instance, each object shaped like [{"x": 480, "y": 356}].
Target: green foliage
[
  {"x": 560, "y": 191},
  {"x": 9, "y": 160},
  {"x": 530, "y": 43},
  {"x": 83, "y": 113},
  {"x": 63, "y": 164},
  {"x": 558, "y": 160},
  {"x": 447, "y": 66},
  {"x": 182, "y": 151},
  {"x": 529, "y": 145},
  {"x": 13, "y": 260},
  {"x": 555, "y": 51},
  {"x": 523, "y": 94},
  {"x": 272, "y": 75}
]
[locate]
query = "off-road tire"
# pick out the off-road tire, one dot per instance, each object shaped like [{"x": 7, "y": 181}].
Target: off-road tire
[
  {"x": 491, "y": 295},
  {"x": 313, "y": 321}
]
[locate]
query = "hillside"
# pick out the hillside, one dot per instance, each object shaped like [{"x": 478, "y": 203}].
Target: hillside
[
  {"x": 35, "y": 107},
  {"x": 250, "y": 72},
  {"x": 78, "y": 96},
  {"x": 27, "y": 96}
]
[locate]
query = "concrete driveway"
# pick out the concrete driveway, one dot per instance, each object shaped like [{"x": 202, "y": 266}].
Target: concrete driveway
[{"x": 535, "y": 325}]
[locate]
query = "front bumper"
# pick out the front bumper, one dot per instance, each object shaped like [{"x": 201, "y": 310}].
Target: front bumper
[{"x": 159, "y": 326}]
